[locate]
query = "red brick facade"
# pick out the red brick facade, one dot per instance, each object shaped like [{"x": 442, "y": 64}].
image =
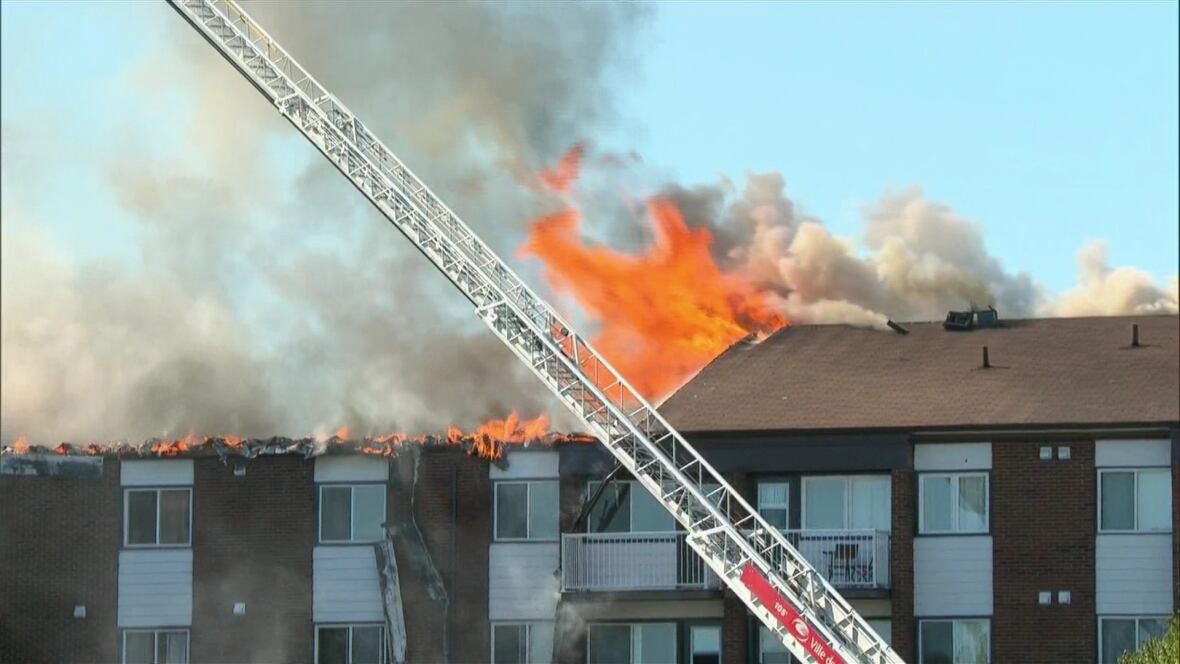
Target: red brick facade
[
  {"x": 1043, "y": 528},
  {"x": 903, "y": 511},
  {"x": 252, "y": 542},
  {"x": 59, "y": 547},
  {"x": 452, "y": 506}
]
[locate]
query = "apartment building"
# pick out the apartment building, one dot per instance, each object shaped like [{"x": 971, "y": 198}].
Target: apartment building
[{"x": 1021, "y": 508}]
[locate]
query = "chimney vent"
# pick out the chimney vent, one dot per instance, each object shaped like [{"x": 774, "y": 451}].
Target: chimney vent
[
  {"x": 986, "y": 361},
  {"x": 1135, "y": 335}
]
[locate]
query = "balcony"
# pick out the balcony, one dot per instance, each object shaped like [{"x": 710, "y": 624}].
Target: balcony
[
  {"x": 847, "y": 558},
  {"x": 613, "y": 562},
  {"x": 632, "y": 561}
]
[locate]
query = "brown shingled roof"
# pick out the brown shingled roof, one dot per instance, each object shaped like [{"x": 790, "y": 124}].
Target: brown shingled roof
[{"x": 1061, "y": 371}]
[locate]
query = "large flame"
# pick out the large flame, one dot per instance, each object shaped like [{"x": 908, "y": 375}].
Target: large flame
[{"x": 662, "y": 314}]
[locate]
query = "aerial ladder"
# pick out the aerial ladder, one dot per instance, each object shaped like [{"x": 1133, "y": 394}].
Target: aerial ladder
[{"x": 753, "y": 558}]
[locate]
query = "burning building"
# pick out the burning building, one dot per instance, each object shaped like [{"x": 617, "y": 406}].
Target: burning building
[{"x": 1003, "y": 491}]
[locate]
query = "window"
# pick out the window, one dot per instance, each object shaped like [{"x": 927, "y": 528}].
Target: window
[
  {"x": 627, "y": 507},
  {"x": 157, "y": 517},
  {"x": 353, "y": 513},
  {"x": 954, "y": 641},
  {"x": 1135, "y": 500},
  {"x": 526, "y": 511},
  {"x": 846, "y": 503},
  {"x": 1119, "y": 635},
  {"x": 773, "y": 500},
  {"x": 350, "y": 644},
  {"x": 155, "y": 646},
  {"x": 704, "y": 642},
  {"x": 952, "y": 503},
  {"x": 640, "y": 643},
  {"x": 770, "y": 649},
  {"x": 522, "y": 643}
]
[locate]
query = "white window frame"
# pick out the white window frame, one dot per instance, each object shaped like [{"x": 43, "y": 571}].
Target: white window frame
[
  {"x": 381, "y": 640},
  {"x": 955, "y": 479},
  {"x": 1137, "y": 619},
  {"x": 1134, "y": 498},
  {"x": 156, "y": 545},
  {"x": 528, "y": 636},
  {"x": 631, "y": 635},
  {"x": 528, "y": 512},
  {"x": 786, "y": 505},
  {"x": 351, "y": 486},
  {"x": 984, "y": 619},
  {"x": 635, "y": 486},
  {"x": 847, "y": 479},
  {"x": 155, "y": 632}
]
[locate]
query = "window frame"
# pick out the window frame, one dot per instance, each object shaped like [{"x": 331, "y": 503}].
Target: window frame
[
  {"x": 528, "y": 511},
  {"x": 631, "y": 625},
  {"x": 592, "y": 485},
  {"x": 384, "y": 656},
  {"x": 156, "y": 489},
  {"x": 956, "y": 477},
  {"x": 952, "y": 620},
  {"x": 689, "y": 625},
  {"x": 155, "y": 632},
  {"x": 351, "y": 486},
  {"x": 1134, "y": 470},
  {"x": 786, "y": 506},
  {"x": 1137, "y": 618},
  {"x": 847, "y": 480},
  {"x": 528, "y": 625}
]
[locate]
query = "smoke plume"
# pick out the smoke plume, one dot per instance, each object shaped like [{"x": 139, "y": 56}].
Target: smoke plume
[
  {"x": 916, "y": 260},
  {"x": 253, "y": 291}
]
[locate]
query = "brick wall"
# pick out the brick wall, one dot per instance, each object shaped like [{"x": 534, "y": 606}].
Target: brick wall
[
  {"x": 59, "y": 547},
  {"x": 1043, "y": 528},
  {"x": 903, "y": 511},
  {"x": 452, "y": 505},
  {"x": 252, "y": 542}
]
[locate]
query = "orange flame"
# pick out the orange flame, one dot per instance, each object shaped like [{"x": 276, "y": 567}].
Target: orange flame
[
  {"x": 487, "y": 441},
  {"x": 562, "y": 177},
  {"x": 662, "y": 314}
]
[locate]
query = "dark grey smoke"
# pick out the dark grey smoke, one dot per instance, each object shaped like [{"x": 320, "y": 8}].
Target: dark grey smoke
[{"x": 264, "y": 296}]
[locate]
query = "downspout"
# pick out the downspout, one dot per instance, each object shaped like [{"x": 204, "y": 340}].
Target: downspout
[{"x": 449, "y": 647}]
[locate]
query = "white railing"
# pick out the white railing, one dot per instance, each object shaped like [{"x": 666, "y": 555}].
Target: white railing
[
  {"x": 662, "y": 561},
  {"x": 632, "y": 561},
  {"x": 848, "y": 558}
]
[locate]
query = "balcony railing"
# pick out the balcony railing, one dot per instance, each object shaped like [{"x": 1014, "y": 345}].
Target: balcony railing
[
  {"x": 662, "y": 561},
  {"x": 848, "y": 558},
  {"x": 632, "y": 561}
]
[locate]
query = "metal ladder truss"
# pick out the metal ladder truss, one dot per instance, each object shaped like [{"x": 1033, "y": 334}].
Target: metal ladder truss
[{"x": 753, "y": 558}]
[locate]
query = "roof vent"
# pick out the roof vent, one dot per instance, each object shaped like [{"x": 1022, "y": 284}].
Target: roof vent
[
  {"x": 987, "y": 317},
  {"x": 958, "y": 320}
]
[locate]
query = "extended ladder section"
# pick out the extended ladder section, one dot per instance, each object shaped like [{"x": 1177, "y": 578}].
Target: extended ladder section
[{"x": 753, "y": 558}]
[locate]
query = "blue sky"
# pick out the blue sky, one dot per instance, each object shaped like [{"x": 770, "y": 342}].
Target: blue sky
[{"x": 1049, "y": 124}]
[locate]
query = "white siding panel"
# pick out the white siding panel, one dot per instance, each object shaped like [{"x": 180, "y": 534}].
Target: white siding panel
[
  {"x": 351, "y": 468},
  {"x": 521, "y": 581},
  {"x": 953, "y": 576},
  {"x": 156, "y": 588},
  {"x": 1133, "y": 453},
  {"x": 953, "y": 456},
  {"x": 1134, "y": 574},
  {"x": 527, "y": 464},
  {"x": 345, "y": 587},
  {"x": 156, "y": 472}
]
